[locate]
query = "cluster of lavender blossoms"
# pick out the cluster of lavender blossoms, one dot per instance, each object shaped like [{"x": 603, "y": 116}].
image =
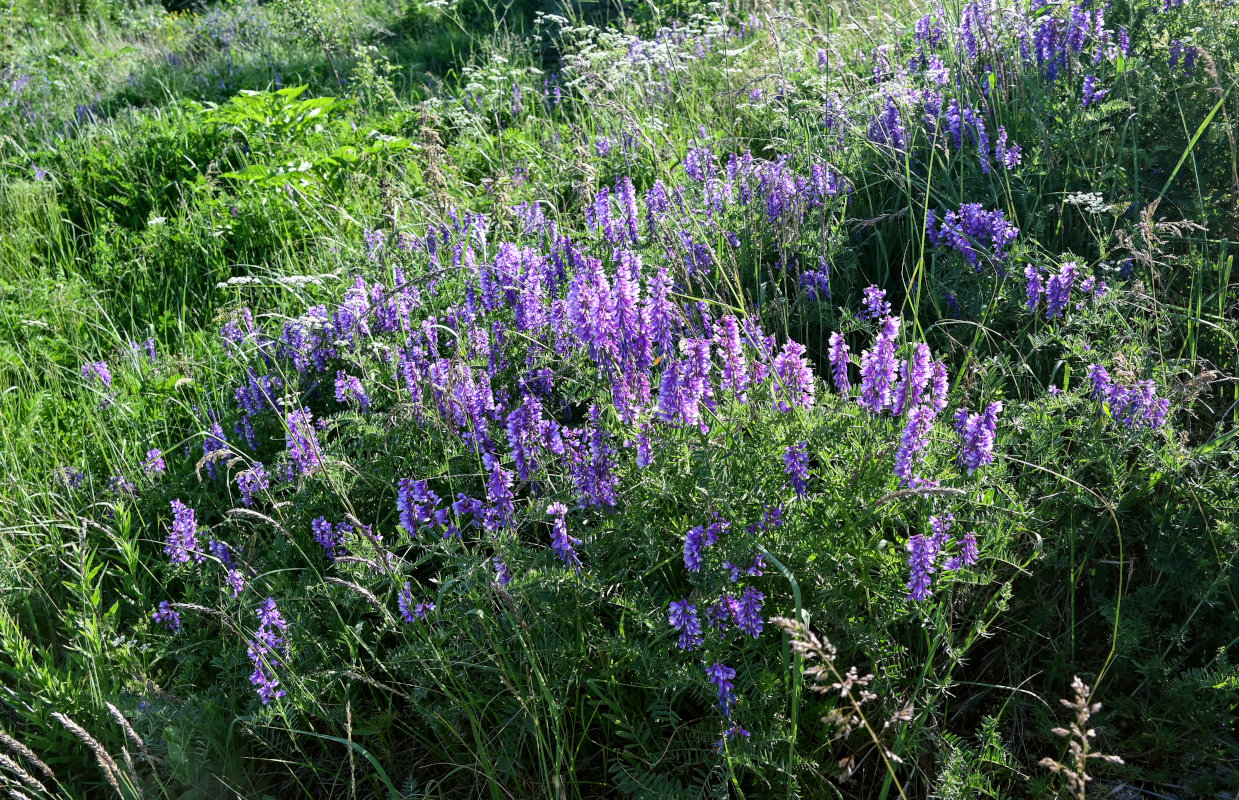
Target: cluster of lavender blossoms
[
  {"x": 183, "y": 543},
  {"x": 265, "y": 650},
  {"x": 167, "y": 616},
  {"x": 411, "y": 610},
  {"x": 924, "y": 552},
  {"x": 1136, "y": 405},
  {"x": 973, "y": 232}
]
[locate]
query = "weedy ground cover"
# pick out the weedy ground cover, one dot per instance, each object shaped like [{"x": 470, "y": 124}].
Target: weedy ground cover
[{"x": 442, "y": 400}]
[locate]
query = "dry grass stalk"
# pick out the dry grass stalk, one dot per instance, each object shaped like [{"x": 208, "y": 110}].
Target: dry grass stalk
[
  {"x": 1080, "y": 736},
  {"x": 106, "y": 763},
  {"x": 20, "y": 749}
]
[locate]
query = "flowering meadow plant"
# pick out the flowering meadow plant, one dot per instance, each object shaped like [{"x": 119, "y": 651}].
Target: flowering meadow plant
[{"x": 522, "y": 434}]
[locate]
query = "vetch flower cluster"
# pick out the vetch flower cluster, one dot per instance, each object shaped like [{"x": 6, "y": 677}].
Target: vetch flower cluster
[
  {"x": 411, "y": 611},
  {"x": 924, "y": 552},
  {"x": 683, "y": 618},
  {"x": 167, "y": 616},
  {"x": 183, "y": 543},
  {"x": 266, "y": 650},
  {"x": 976, "y": 436},
  {"x": 1136, "y": 406}
]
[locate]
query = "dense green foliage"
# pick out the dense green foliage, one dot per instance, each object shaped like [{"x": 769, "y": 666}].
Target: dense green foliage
[{"x": 186, "y": 190}]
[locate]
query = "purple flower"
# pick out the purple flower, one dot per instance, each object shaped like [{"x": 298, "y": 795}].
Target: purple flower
[
  {"x": 183, "y": 536},
  {"x": 796, "y": 465},
  {"x": 416, "y": 503},
  {"x": 941, "y": 526},
  {"x": 238, "y": 327},
  {"x": 1135, "y": 406},
  {"x": 878, "y": 367},
  {"x": 302, "y": 440},
  {"x": 502, "y": 573},
  {"x": 252, "y": 480},
  {"x": 914, "y": 378},
  {"x": 1035, "y": 289},
  {"x": 972, "y": 225},
  {"x": 1058, "y": 290},
  {"x": 748, "y": 612},
  {"x": 1089, "y": 93},
  {"x": 348, "y": 387},
  {"x": 221, "y": 551},
  {"x": 976, "y": 436},
  {"x": 154, "y": 463},
  {"x": 236, "y": 582},
  {"x": 886, "y": 128},
  {"x": 121, "y": 486},
  {"x": 627, "y": 196},
  {"x": 1008, "y": 155},
  {"x": 912, "y": 443},
  {"x": 735, "y": 367},
  {"x": 562, "y": 543},
  {"x": 99, "y": 371},
  {"x": 731, "y": 733},
  {"x": 500, "y": 508},
  {"x": 214, "y": 448},
  {"x": 921, "y": 556},
  {"x": 410, "y": 611},
  {"x": 374, "y": 242},
  {"x": 721, "y": 676},
  {"x": 817, "y": 281},
  {"x": 693, "y": 543},
  {"x": 686, "y": 386},
  {"x": 330, "y": 537},
  {"x": 70, "y": 477},
  {"x": 683, "y": 618},
  {"x": 876, "y": 304},
  {"x": 167, "y": 616},
  {"x": 793, "y": 384},
  {"x": 264, "y": 651},
  {"x": 1099, "y": 379},
  {"x": 967, "y": 554},
  {"x": 840, "y": 357}
]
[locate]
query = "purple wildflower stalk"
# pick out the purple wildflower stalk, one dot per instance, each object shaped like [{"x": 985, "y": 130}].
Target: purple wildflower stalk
[
  {"x": 976, "y": 435},
  {"x": 154, "y": 463},
  {"x": 840, "y": 358},
  {"x": 721, "y": 676},
  {"x": 183, "y": 537},
  {"x": 683, "y": 618},
  {"x": 796, "y": 466},
  {"x": 410, "y": 611},
  {"x": 562, "y": 543},
  {"x": 265, "y": 650},
  {"x": 167, "y": 616}
]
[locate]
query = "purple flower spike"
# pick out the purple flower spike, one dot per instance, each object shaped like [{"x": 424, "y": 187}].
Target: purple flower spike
[
  {"x": 302, "y": 439},
  {"x": 683, "y": 618},
  {"x": 410, "y": 611},
  {"x": 154, "y": 463},
  {"x": 748, "y": 612},
  {"x": 976, "y": 435},
  {"x": 796, "y": 465},
  {"x": 921, "y": 555},
  {"x": 876, "y": 304},
  {"x": 562, "y": 543},
  {"x": 840, "y": 358},
  {"x": 878, "y": 367},
  {"x": 968, "y": 554},
  {"x": 721, "y": 676},
  {"x": 167, "y": 616},
  {"x": 183, "y": 537}
]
